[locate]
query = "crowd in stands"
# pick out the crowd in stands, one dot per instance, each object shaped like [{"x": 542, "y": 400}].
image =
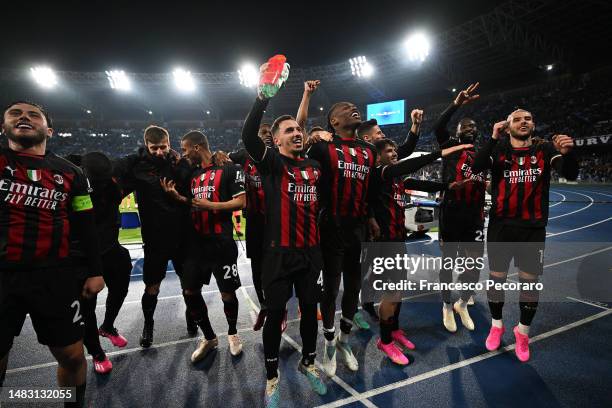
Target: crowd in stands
[{"x": 579, "y": 107}]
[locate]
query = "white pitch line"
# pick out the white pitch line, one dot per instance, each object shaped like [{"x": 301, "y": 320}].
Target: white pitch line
[
  {"x": 576, "y": 211},
  {"x": 554, "y": 234},
  {"x": 588, "y": 303},
  {"x": 461, "y": 364},
  {"x": 557, "y": 203},
  {"x": 297, "y": 347}
]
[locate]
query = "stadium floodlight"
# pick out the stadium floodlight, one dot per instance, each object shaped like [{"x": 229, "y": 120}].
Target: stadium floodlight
[
  {"x": 361, "y": 67},
  {"x": 183, "y": 80},
  {"x": 549, "y": 67},
  {"x": 150, "y": 112},
  {"x": 208, "y": 112},
  {"x": 44, "y": 76},
  {"x": 418, "y": 47},
  {"x": 118, "y": 80},
  {"x": 454, "y": 89},
  {"x": 88, "y": 111},
  {"x": 320, "y": 108},
  {"x": 249, "y": 76}
]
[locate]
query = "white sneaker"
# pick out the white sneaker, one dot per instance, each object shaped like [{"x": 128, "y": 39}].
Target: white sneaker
[
  {"x": 272, "y": 395},
  {"x": 470, "y": 301},
  {"x": 329, "y": 358},
  {"x": 235, "y": 344},
  {"x": 463, "y": 313},
  {"x": 203, "y": 349},
  {"x": 448, "y": 318},
  {"x": 347, "y": 354}
]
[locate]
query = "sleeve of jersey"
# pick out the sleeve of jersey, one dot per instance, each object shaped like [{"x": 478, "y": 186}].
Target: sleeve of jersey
[
  {"x": 424, "y": 185},
  {"x": 484, "y": 157},
  {"x": 237, "y": 181},
  {"x": 408, "y": 166},
  {"x": 122, "y": 171},
  {"x": 253, "y": 144},
  {"x": 84, "y": 225},
  {"x": 408, "y": 146},
  {"x": 237, "y": 157},
  {"x": 565, "y": 164},
  {"x": 440, "y": 127}
]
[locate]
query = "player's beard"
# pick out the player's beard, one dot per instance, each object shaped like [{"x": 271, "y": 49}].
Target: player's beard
[
  {"x": 467, "y": 138},
  {"x": 27, "y": 141},
  {"x": 521, "y": 137}
]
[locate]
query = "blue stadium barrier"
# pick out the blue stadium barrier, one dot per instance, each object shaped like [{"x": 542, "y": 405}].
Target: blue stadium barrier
[{"x": 130, "y": 220}]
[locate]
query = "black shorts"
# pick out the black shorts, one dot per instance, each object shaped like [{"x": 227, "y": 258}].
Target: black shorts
[
  {"x": 50, "y": 296},
  {"x": 458, "y": 225},
  {"x": 255, "y": 236},
  {"x": 156, "y": 258},
  {"x": 341, "y": 248},
  {"x": 525, "y": 245},
  {"x": 207, "y": 257},
  {"x": 286, "y": 269}
]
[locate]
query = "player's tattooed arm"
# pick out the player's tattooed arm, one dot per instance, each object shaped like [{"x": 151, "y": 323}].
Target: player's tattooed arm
[{"x": 169, "y": 187}]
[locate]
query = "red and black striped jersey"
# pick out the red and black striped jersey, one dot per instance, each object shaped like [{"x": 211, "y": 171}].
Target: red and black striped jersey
[
  {"x": 391, "y": 201},
  {"x": 292, "y": 200},
  {"x": 521, "y": 183},
  {"x": 256, "y": 204},
  {"x": 458, "y": 167},
  {"x": 38, "y": 195},
  {"x": 218, "y": 184},
  {"x": 346, "y": 166}
]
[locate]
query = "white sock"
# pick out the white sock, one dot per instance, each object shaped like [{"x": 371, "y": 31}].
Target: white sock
[
  {"x": 461, "y": 303},
  {"x": 523, "y": 329},
  {"x": 448, "y": 306},
  {"x": 344, "y": 337},
  {"x": 497, "y": 323}
]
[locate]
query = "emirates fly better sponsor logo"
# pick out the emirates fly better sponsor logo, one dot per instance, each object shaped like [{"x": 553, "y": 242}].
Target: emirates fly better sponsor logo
[{"x": 29, "y": 195}]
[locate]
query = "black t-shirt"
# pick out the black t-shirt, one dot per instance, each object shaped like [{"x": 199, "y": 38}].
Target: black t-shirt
[
  {"x": 217, "y": 184},
  {"x": 38, "y": 196}
]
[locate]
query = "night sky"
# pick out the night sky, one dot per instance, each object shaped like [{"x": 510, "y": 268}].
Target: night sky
[{"x": 213, "y": 36}]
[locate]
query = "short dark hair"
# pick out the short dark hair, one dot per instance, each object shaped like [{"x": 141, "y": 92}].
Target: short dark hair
[
  {"x": 155, "y": 134},
  {"x": 264, "y": 124},
  {"x": 280, "y": 120},
  {"x": 196, "y": 138},
  {"x": 316, "y": 129},
  {"x": 382, "y": 144},
  {"x": 365, "y": 127},
  {"x": 40, "y": 107},
  {"x": 330, "y": 112}
]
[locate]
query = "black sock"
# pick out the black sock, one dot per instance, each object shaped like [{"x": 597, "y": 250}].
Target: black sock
[
  {"x": 496, "y": 310},
  {"x": 308, "y": 359},
  {"x": 230, "y": 307},
  {"x": 528, "y": 311},
  {"x": 369, "y": 307},
  {"x": 386, "y": 327},
  {"x": 528, "y": 301},
  {"x": 346, "y": 325},
  {"x": 329, "y": 334},
  {"x": 80, "y": 397},
  {"x": 398, "y": 307},
  {"x": 2, "y": 377},
  {"x": 114, "y": 301},
  {"x": 91, "y": 340},
  {"x": 308, "y": 328},
  {"x": 271, "y": 341},
  {"x": 199, "y": 313},
  {"x": 149, "y": 302}
]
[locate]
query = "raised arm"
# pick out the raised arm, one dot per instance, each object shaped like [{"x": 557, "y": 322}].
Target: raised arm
[
  {"x": 408, "y": 166},
  {"x": 253, "y": 144},
  {"x": 566, "y": 163},
  {"x": 406, "y": 148},
  {"x": 463, "y": 97},
  {"x": 483, "y": 160},
  {"x": 302, "y": 114}
]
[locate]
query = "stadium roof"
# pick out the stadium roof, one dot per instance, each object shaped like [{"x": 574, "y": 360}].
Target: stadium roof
[{"x": 509, "y": 44}]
